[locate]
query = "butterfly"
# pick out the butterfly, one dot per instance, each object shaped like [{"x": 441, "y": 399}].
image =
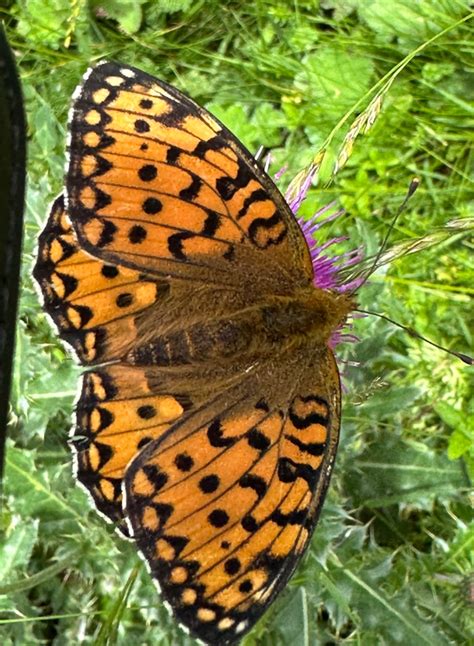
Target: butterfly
[{"x": 208, "y": 416}]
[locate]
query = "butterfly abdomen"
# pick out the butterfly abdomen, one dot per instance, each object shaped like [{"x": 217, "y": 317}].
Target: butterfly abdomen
[{"x": 254, "y": 331}]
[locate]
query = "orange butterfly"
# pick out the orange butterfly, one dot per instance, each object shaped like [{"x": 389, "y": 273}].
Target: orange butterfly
[{"x": 207, "y": 424}]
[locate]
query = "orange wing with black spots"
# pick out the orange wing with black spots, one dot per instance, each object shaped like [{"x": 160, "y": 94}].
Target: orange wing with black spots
[
  {"x": 118, "y": 412},
  {"x": 96, "y": 308},
  {"x": 94, "y": 305},
  {"x": 158, "y": 184},
  {"x": 223, "y": 505}
]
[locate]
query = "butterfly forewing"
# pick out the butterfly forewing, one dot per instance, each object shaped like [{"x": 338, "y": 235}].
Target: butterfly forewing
[
  {"x": 158, "y": 184},
  {"x": 94, "y": 305}
]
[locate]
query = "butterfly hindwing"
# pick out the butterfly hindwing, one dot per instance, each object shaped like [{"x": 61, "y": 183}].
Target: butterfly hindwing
[
  {"x": 155, "y": 182},
  {"x": 119, "y": 411},
  {"x": 224, "y": 505}
]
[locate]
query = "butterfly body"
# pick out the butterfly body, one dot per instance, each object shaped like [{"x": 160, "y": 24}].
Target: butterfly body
[
  {"x": 256, "y": 330},
  {"x": 208, "y": 417}
]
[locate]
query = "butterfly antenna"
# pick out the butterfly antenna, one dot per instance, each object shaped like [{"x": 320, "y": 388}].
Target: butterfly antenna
[
  {"x": 411, "y": 189},
  {"x": 413, "y": 333}
]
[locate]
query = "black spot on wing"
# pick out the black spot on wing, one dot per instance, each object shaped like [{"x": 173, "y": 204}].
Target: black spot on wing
[
  {"x": 214, "y": 143},
  {"x": 262, "y": 405},
  {"x": 152, "y": 206},
  {"x": 296, "y": 517},
  {"x": 261, "y": 234},
  {"x": 259, "y": 195},
  {"x": 301, "y": 422},
  {"x": 172, "y": 154},
  {"x": 184, "y": 462},
  {"x": 252, "y": 481},
  {"x": 175, "y": 244},
  {"x": 109, "y": 271},
  {"x": 218, "y": 518},
  {"x": 146, "y": 411},
  {"x": 249, "y": 523},
  {"x": 258, "y": 440},
  {"x": 315, "y": 449},
  {"x": 69, "y": 283},
  {"x": 209, "y": 483},
  {"x": 102, "y": 199},
  {"x": 211, "y": 224},
  {"x": 215, "y": 435},
  {"x": 228, "y": 186},
  {"x": 157, "y": 478},
  {"x": 174, "y": 117},
  {"x": 85, "y": 313},
  {"x": 107, "y": 233},
  {"x": 192, "y": 191},
  {"x": 288, "y": 470}
]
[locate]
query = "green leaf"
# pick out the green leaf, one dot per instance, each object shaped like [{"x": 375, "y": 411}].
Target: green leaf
[
  {"x": 38, "y": 578},
  {"x": 293, "y": 620},
  {"x": 332, "y": 80},
  {"x": 236, "y": 118},
  {"x": 391, "y": 619},
  {"x": 109, "y": 628},
  {"x": 459, "y": 444},
  {"x": 450, "y": 415},
  {"x": 44, "y": 22},
  {"x": 391, "y": 470},
  {"x": 461, "y": 440},
  {"x": 392, "y": 400},
  {"x": 410, "y": 21},
  {"x": 127, "y": 13},
  {"x": 31, "y": 492},
  {"x": 172, "y": 6},
  {"x": 340, "y": 8},
  {"x": 16, "y": 549}
]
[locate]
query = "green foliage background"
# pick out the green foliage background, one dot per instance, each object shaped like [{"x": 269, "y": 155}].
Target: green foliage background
[{"x": 391, "y": 560}]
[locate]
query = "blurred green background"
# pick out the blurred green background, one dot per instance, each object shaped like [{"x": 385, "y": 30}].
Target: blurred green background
[{"x": 390, "y": 562}]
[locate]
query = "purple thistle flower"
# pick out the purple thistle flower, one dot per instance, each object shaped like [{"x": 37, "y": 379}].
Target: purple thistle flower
[{"x": 327, "y": 268}]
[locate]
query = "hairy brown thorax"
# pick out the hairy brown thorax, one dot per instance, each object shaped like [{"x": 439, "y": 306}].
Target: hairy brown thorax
[{"x": 252, "y": 331}]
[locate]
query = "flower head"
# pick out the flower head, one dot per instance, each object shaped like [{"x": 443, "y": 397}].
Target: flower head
[{"x": 328, "y": 268}]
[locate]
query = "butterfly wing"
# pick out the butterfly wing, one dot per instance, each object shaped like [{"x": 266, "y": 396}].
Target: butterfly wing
[
  {"x": 93, "y": 304},
  {"x": 96, "y": 308},
  {"x": 102, "y": 310},
  {"x": 158, "y": 184},
  {"x": 120, "y": 410},
  {"x": 224, "y": 504}
]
